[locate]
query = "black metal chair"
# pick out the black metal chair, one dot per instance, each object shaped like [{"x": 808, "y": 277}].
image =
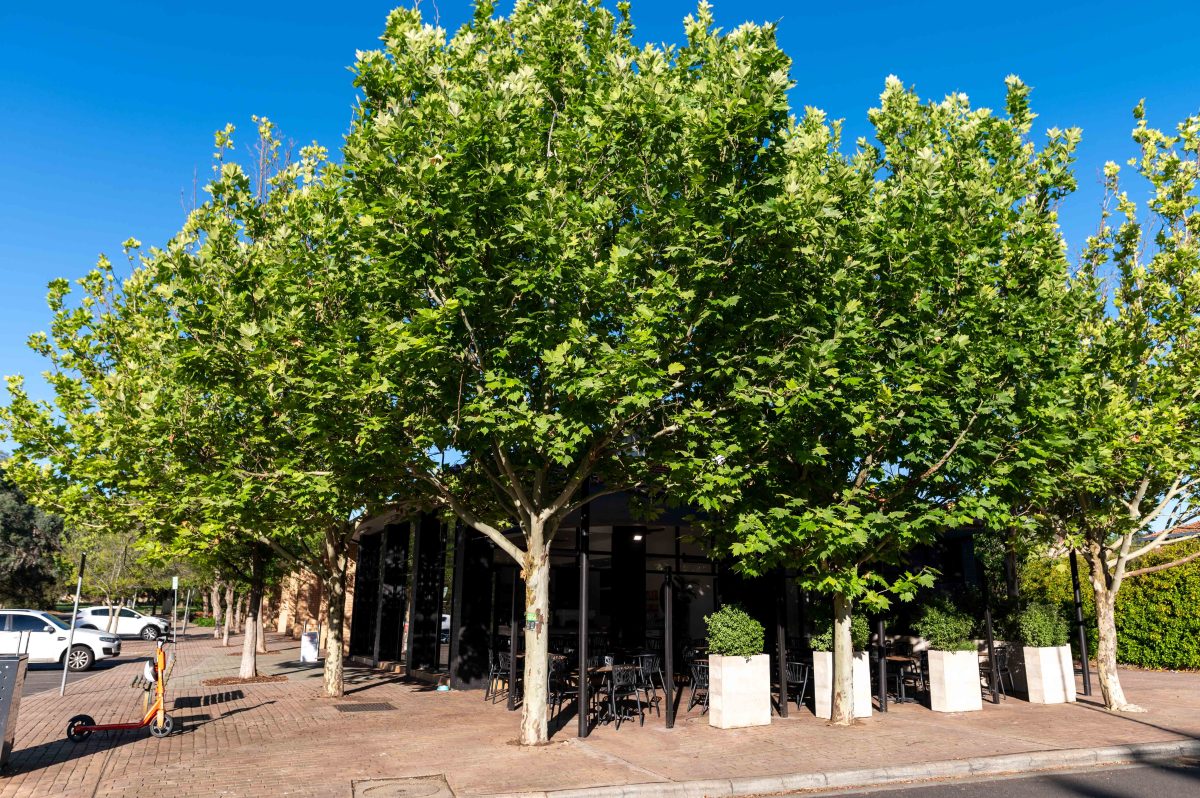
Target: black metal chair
[
  {"x": 1002, "y": 670},
  {"x": 699, "y": 693},
  {"x": 624, "y": 684},
  {"x": 558, "y": 686},
  {"x": 798, "y": 673},
  {"x": 499, "y": 672},
  {"x": 649, "y": 666}
]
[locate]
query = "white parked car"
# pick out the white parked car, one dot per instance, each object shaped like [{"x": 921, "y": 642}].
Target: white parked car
[
  {"x": 129, "y": 623},
  {"x": 45, "y": 638}
]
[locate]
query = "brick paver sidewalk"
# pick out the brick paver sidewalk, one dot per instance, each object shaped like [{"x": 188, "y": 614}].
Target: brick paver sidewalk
[{"x": 285, "y": 739}]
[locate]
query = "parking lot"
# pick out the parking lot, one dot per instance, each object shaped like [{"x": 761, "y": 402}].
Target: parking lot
[{"x": 42, "y": 677}]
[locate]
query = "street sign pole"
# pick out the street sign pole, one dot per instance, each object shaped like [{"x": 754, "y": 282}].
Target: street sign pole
[{"x": 62, "y": 687}]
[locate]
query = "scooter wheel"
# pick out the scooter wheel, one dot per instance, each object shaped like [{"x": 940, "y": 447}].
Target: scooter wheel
[
  {"x": 165, "y": 729},
  {"x": 74, "y": 733}
]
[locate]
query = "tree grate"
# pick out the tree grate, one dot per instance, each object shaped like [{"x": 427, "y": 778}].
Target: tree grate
[{"x": 381, "y": 706}]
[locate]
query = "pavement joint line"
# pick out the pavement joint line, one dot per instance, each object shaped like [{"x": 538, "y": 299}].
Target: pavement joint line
[{"x": 1000, "y": 765}]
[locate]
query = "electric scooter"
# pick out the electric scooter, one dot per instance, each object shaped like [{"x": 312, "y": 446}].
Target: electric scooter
[{"x": 155, "y": 676}]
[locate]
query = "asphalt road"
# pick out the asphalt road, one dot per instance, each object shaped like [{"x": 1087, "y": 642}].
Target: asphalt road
[
  {"x": 39, "y": 678},
  {"x": 1165, "y": 780}
]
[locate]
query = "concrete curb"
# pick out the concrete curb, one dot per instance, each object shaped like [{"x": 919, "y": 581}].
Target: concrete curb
[{"x": 1005, "y": 764}]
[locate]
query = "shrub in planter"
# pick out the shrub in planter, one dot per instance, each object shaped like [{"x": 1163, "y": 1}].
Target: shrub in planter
[
  {"x": 739, "y": 673},
  {"x": 733, "y": 633},
  {"x": 822, "y": 644},
  {"x": 1043, "y": 668},
  {"x": 953, "y": 659},
  {"x": 1043, "y": 626}
]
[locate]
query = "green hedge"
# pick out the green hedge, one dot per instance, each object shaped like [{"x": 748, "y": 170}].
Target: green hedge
[{"x": 1158, "y": 625}]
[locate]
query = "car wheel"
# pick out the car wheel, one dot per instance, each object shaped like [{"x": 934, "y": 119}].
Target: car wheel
[
  {"x": 149, "y": 632},
  {"x": 80, "y": 658},
  {"x": 163, "y": 730},
  {"x": 73, "y": 733}
]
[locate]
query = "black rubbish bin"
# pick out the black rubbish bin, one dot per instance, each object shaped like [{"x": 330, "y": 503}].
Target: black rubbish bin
[{"x": 12, "y": 679}]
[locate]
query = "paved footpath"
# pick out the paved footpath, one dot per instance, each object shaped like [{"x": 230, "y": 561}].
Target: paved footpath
[{"x": 285, "y": 739}]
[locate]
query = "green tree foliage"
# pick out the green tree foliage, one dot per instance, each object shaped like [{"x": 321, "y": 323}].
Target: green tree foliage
[
  {"x": 30, "y": 542},
  {"x": 553, "y": 214},
  {"x": 883, "y": 382}
]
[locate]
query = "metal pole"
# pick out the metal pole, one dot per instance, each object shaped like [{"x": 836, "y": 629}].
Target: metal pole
[
  {"x": 881, "y": 665},
  {"x": 512, "y": 646},
  {"x": 187, "y": 606},
  {"x": 379, "y": 572},
  {"x": 991, "y": 649},
  {"x": 781, "y": 643},
  {"x": 669, "y": 648},
  {"x": 585, "y": 528},
  {"x": 62, "y": 687},
  {"x": 1083, "y": 642}
]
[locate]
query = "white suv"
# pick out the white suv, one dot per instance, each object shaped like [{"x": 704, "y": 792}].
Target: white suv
[
  {"x": 44, "y": 638},
  {"x": 129, "y": 623}
]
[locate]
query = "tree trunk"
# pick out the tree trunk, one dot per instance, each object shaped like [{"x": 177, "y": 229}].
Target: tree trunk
[
  {"x": 262, "y": 638},
  {"x": 229, "y": 597},
  {"x": 285, "y": 607},
  {"x": 336, "y": 562},
  {"x": 215, "y": 603},
  {"x": 1106, "y": 653},
  {"x": 842, "y": 709},
  {"x": 206, "y": 609},
  {"x": 537, "y": 603},
  {"x": 239, "y": 613},
  {"x": 249, "y": 667}
]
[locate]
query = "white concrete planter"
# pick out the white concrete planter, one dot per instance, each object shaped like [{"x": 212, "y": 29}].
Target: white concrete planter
[
  {"x": 739, "y": 691},
  {"x": 1045, "y": 675},
  {"x": 823, "y": 684},
  {"x": 954, "y": 681}
]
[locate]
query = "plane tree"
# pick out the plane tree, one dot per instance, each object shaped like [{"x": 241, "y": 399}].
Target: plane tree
[
  {"x": 553, "y": 213},
  {"x": 902, "y": 323}
]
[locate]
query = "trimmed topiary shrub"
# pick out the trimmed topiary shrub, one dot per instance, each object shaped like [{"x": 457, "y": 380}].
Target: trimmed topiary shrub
[
  {"x": 733, "y": 633},
  {"x": 860, "y": 634},
  {"x": 1043, "y": 626},
  {"x": 946, "y": 627}
]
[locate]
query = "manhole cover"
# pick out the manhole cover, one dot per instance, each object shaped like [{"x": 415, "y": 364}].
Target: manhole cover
[
  {"x": 382, "y": 706},
  {"x": 415, "y": 787}
]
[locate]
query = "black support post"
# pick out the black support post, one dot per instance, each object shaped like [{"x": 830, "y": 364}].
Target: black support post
[
  {"x": 585, "y": 529},
  {"x": 669, "y": 648},
  {"x": 379, "y": 597},
  {"x": 991, "y": 649},
  {"x": 881, "y": 665},
  {"x": 1079, "y": 627},
  {"x": 514, "y": 666},
  {"x": 781, "y": 624}
]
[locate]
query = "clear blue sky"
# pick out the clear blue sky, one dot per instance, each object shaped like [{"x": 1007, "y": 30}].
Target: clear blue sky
[{"x": 107, "y": 108}]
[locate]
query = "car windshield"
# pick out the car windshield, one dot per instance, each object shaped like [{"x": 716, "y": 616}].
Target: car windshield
[{"x": 50, "y": 618}]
